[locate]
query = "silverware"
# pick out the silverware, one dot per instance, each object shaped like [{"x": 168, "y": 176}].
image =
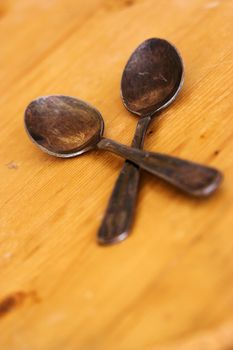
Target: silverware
[
  {"x": 151, "y": 80},
  {"x": 65, "y": 127}
]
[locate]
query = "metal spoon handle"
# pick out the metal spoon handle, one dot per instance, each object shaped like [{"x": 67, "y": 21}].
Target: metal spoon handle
[
  {"x": 121, "y": 206},
  {"x": 192, "y": 178}
]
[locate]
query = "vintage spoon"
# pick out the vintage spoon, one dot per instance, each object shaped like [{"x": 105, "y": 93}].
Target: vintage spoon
[
  {"x": 151, "y": 80},
  {"x": 65, "y": 127}
]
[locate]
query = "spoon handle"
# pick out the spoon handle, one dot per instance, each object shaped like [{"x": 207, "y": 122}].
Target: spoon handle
[
  {"x": 120, "y": 209},
  {"x": 195, "y": 179}
]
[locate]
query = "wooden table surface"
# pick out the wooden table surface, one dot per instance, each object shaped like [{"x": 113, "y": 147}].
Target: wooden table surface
[{"x": 170, "y": 285}]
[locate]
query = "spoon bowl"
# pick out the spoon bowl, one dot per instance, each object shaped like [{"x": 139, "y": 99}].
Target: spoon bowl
[
  {"x": 63, "y": 126},
  {"x": 152, "y": 78}
]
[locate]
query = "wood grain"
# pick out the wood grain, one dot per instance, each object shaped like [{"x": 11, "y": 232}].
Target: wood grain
[{"x": 170, "y": 285}]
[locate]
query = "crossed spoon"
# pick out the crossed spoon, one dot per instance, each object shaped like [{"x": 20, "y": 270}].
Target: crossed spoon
[
  {"x": 65, "y": 127},
  {"x": 151, "y": 80}
]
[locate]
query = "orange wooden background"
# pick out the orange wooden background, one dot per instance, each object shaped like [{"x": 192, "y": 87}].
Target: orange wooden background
[{"x": 170, "y": 285}]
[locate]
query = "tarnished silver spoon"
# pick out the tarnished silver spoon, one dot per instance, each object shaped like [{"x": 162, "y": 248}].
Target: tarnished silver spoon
[
  {"x": 151, "y": 80},
  {"x": 65, "y": 127}
]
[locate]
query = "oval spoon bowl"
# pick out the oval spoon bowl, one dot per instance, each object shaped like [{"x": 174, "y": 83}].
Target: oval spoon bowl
[{"x": 63, "y": 126}]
